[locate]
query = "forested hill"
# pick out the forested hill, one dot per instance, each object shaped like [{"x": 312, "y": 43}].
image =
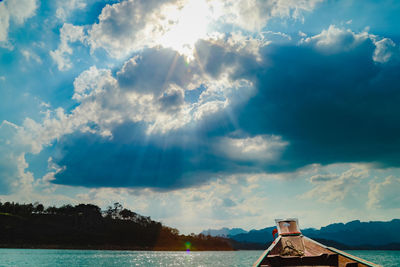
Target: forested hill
[{"x": 86, "y": 226}]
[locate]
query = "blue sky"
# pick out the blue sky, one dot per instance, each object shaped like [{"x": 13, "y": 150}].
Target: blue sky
[{"x": 205, "y": 113}]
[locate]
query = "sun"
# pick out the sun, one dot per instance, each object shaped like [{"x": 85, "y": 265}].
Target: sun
[{"x": 191, "y": 25}]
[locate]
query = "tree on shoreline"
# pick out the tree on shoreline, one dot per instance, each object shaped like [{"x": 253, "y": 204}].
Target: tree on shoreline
[{"x": 87, "y": 226}]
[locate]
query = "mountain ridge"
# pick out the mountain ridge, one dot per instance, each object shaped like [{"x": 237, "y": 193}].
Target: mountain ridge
[
  {"x": 224, "y": 232},
  {"x": 351, "y": 235}
]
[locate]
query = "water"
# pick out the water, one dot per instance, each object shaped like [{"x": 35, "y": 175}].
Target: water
[
  {"x": 54, "y": 257},
  {"x": 390, "y": 258}
]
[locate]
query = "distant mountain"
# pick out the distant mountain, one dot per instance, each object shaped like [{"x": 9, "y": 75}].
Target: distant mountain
[
  {"x": 256, "y": 236},
  {"x": 354, "y": 234},
  {"x": 225, "y": 232}
]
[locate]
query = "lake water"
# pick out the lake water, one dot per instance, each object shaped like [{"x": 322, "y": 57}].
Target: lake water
[{"x": 55, "y": 257}]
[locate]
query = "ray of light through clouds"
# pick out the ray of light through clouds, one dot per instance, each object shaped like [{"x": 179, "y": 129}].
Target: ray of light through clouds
[{"x": 203, "y": 114}]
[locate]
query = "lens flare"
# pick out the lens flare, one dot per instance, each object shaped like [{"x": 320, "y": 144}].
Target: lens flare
[{"x": 188, "y": 245}]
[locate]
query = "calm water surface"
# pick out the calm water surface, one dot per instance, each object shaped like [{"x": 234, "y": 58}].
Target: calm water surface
[{"x": 53, "y": 257}]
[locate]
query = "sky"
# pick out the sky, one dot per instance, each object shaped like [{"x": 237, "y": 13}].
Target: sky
[{"x": 203, "y": 113}]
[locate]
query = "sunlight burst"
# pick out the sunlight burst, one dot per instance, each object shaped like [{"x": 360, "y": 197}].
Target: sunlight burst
[{"x": 191, "y": 25}]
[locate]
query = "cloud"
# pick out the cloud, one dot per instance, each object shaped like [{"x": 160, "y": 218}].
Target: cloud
[
  {"x": 229, "y": 203},
  {"x": 130, "y": 25},
  {"x": 253, "y": 15},
  {"x": 385, "y": 194},
  {"x": 276, "y": 37},
  {"x": 155, "y": 70},
  {"x": 12, "y": 161},
  {"x": 335, "y": 187},
  {"x": 334, "y": 40},
  {"x": 8, "y": 169},
  {"x": 110, "y": 108},
  {"x": 323, "y": 178},
  {"x": 136, "y": 164},
  {"x": 68, "y": 34},
  {"x": 29, "y": 55},
  {"x": 135, "y": 159},
  {"x": 385, "y": 51},
  {"x": 151, "y": 88},
  {"x": 16, "y": 11},
  {"x": 259, "y": 148},
  {"x": 4, "y": 22},
  {"x": 260, "y": 107},
  {"x": 328, "y": 106},
  {"x": 172, "y": 99},
  {"x": 233, "y": 54},
  {"x": 65, "y": 8},
  {"x": 92, "y": 82}
]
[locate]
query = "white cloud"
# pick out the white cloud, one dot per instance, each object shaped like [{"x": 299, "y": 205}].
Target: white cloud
[
  {"x": 302, "y": 34},
  {"x": 68, "y": 34},
  {"x": 91, "y": 82},
  {"x": 335, "y": 187},
  {"x": 253, "y": 15},
  {"x": 385, "y": 194},
  {"x": 385, "y": 50},
  {"x": 150, "y": 88},
  {"x": 12, "y": 160},
  {"x": 20, "y": 10},
  {"x": 276, "y": 37},
  {"x": 29, "y": 55},
  {"x": 4, "y": 22},
  {"x": 17, "y": 183},
  {"x": 334, "y": 39},
  {"x": 131, "y": 25},
  {"x": 226, "y": 201},
  {"x": 65, "y": 8},
  {"x": 17, "y": 11},
  {"x": 103, "y": 102}
]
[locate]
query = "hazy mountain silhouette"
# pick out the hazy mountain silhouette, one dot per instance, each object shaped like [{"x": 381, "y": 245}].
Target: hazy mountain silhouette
[
  {"x": 225, "y": 232},
  {"x": 354, "y": 234}
]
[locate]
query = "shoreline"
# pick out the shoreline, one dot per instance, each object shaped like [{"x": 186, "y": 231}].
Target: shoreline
[
  {"x": 110, "y": 248},
  {"x": 118, "y": 248}
]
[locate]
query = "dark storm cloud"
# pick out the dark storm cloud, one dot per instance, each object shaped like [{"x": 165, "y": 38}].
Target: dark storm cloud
[
  {"x": 133, "y": 159},
  {"x": 340, "y": 107},
  {"x": 93, "y": 162}
]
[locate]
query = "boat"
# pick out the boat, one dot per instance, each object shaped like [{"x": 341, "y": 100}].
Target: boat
[{"x": 291, "y": 248}]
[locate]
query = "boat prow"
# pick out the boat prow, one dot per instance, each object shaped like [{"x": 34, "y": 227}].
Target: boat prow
[{"x": 291, "y": 248}]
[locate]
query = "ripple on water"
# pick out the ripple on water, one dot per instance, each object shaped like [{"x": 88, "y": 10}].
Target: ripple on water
[{"x": 44, "y": 257}]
